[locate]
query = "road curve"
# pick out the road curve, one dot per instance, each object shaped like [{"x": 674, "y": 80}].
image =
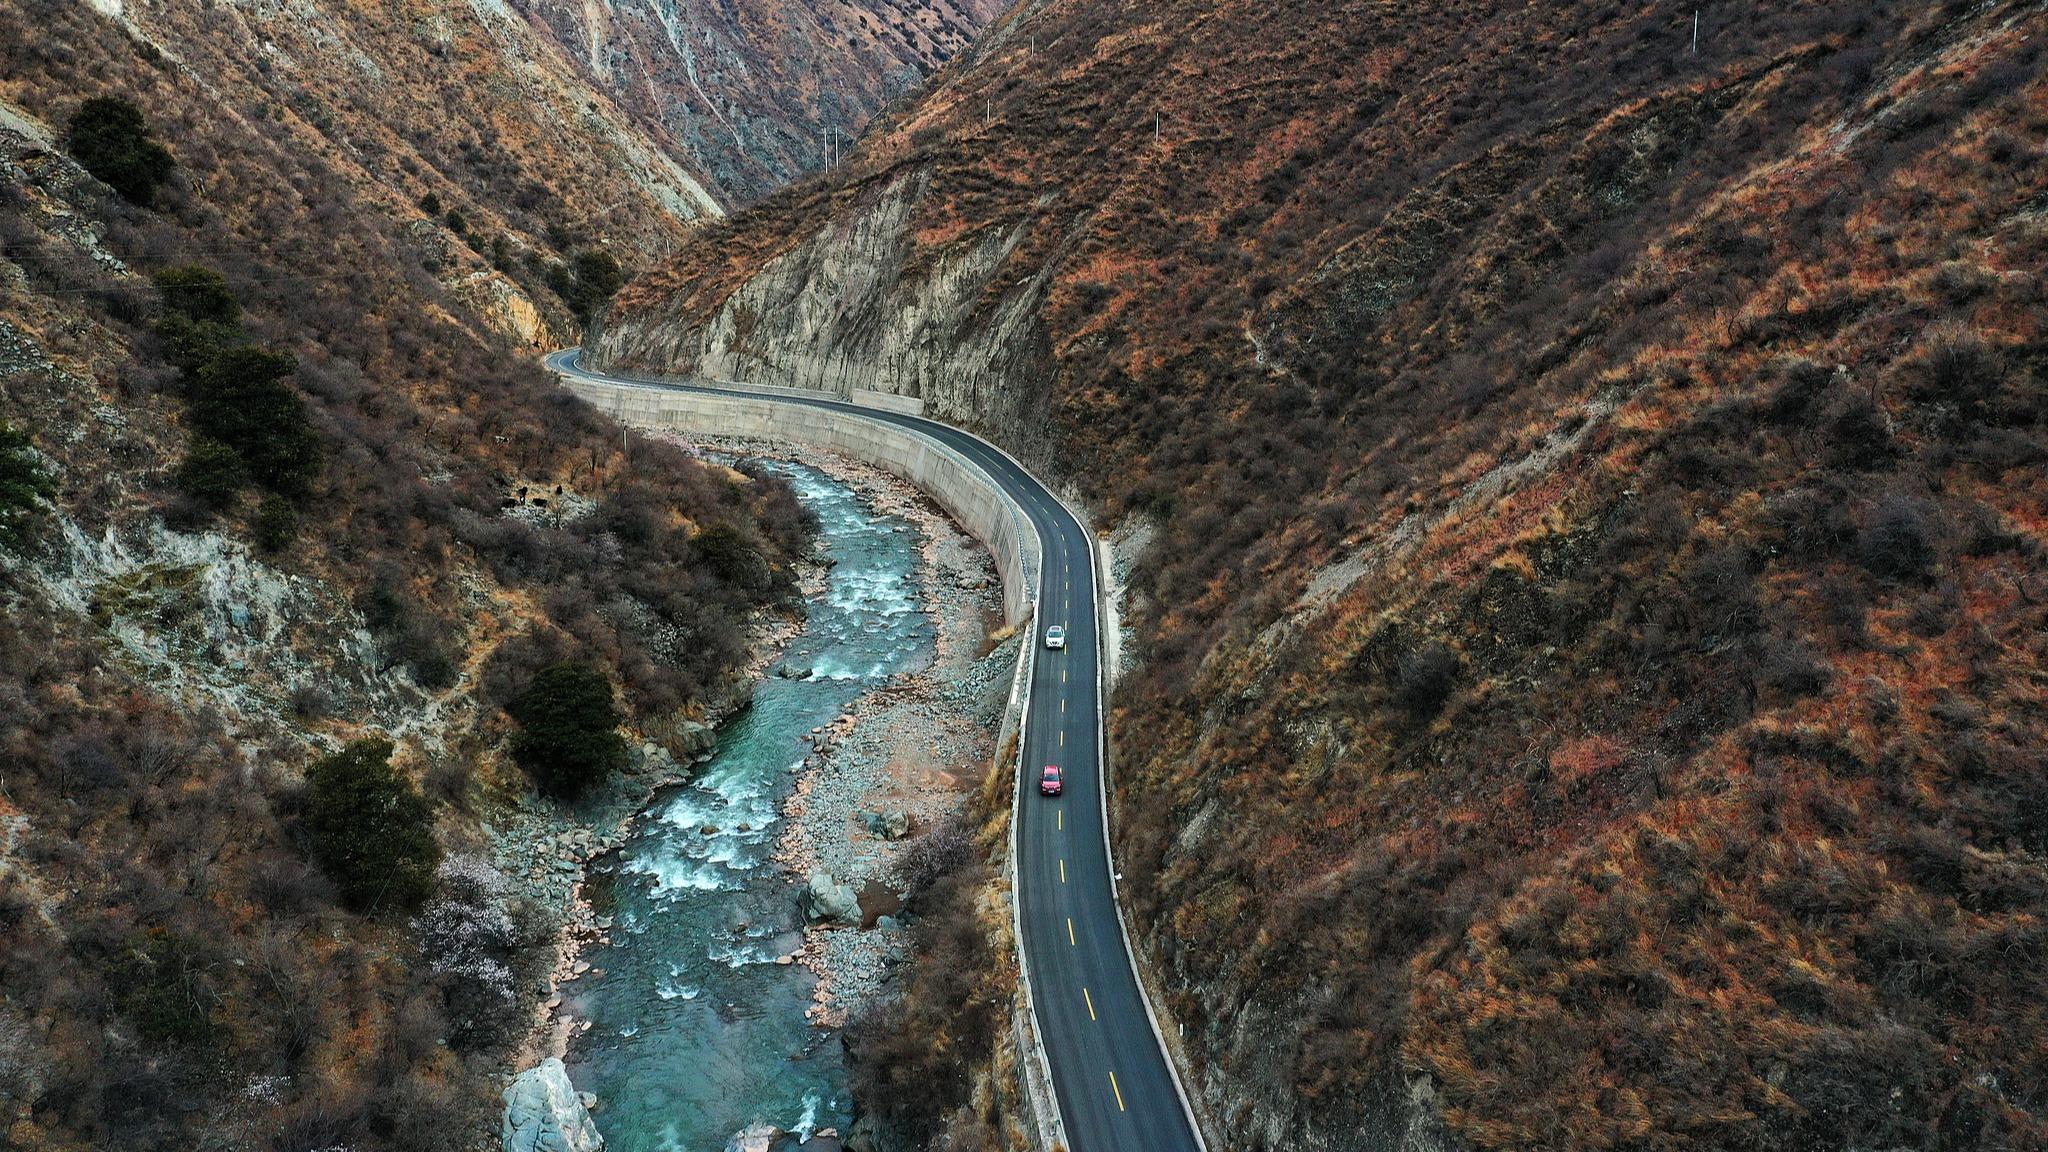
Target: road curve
[{"x": 1117, "y": 1091}]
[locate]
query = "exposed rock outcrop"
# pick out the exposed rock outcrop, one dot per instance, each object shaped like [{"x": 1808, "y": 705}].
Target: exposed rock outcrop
[
  {"x": 849, "y": 307},
  {"x": 543, "y": 1113},
  {"x": 755, "y": 100},
  {"x": 683, "y": 738},
  {"x": 889, "y": 824},
  {"x": 508, "y": 310}
]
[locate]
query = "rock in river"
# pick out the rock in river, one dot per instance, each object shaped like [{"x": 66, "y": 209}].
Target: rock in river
[
  {"x": 544, "y": 1114},
  {"x": 755, "y": 1138},
  {"x": 683, "y": 738}
]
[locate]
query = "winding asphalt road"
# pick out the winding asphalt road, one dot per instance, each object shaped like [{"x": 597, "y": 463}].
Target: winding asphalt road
[{"x": 1117, "y": 1092}]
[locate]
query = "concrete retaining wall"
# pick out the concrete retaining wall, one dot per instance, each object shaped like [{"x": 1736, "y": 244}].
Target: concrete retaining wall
[
  {"x": 858, "y": 397},
  {"x": 963, "y": 490}
]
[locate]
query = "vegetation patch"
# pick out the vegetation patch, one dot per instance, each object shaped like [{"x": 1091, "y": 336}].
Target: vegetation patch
[
  {"x": 370, "y": 829},
  {"x": 26, "y": 489},
  {"x": 112, "y": 141},
  {"x": 568, "y": 738}
]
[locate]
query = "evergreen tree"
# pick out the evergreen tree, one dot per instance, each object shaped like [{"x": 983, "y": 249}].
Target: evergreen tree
[
  {"x": 277, "y": 523},
  {"x": 109, "y": 137},
  {"x": 198, "y": 294},
  {"x": 598, "y": 279},
  {"x": 371, "y": 830},
  {"x": 568, "y": 736},
  {"x": 24, "y": 489},
  {"x": 212, "y": 474},
  {"x": 240, "y": 399}
]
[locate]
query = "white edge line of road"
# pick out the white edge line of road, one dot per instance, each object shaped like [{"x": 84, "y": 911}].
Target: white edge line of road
[{"x": 1026, "y": 650}]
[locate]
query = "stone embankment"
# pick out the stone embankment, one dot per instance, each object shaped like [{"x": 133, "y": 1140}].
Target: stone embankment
[{"x": 964, "y": 491}]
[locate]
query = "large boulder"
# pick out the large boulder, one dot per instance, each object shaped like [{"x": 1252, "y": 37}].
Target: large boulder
[
  {"x": 887, "y": 824},
  {"x": 684, "y": 738},
  {"x": 865, "y": 1135},
  {"x": 543, "y": 1113},
  {"x": 757, "y": 1138},
  {"x": 825, "y": 898}
]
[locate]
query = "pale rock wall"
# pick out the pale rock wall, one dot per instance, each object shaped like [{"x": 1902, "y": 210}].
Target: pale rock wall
[
  {"x": 508, "y": 310},
  {"x": 849, "y": 308}
]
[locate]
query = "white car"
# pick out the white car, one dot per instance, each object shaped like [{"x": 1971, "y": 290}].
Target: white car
[{"x": 1056, "y": 636}]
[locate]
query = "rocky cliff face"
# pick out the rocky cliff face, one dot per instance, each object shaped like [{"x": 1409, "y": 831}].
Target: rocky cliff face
[
  {"x": 848, "y": 307},
  {"x": 548, "y": 126},
  {"x": 1583, "y": 671},
  {"x": 543, "y": 1113},
  {"x": 754, "y": 95},
  {"x": 471, "y": 111}
]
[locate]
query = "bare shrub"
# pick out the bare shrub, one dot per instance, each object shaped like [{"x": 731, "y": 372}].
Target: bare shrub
[
  {"x": 937, "y": 853},
  {"x": 1425, "y": 678},
  {"x": 1957, "y": 367},
  {"x": 1901, "y": 537}
]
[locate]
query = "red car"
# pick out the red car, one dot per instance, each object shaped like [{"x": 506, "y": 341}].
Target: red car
[{"x": 1049, "y": 781}]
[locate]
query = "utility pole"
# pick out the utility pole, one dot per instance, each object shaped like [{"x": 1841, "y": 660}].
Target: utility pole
[
  {"x": 1695, "y": 31},
  {"x": 1155, "y": 127},
  {"x": 989, "y": 117}
]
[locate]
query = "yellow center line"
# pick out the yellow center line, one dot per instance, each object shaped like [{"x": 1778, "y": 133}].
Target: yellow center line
[
  {"x": 1063, "y": 737},
  {"x": 1063, "y": 871},
  {"x": 1091, "y": 1003},
  {"x": 1063, "y": 703},
  {"x": 1061, "y": 816},
  {"x": 1071, "y": 942},
  {"x": 1119, "y": 1092}
]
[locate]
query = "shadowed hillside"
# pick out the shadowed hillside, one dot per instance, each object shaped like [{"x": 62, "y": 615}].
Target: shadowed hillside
[
  {"x": 1591, "y": 632},
  {"x": 753, "y": 94}
]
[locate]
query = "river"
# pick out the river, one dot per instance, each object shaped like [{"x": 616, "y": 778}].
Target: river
[{"x": 695, "y": 1030}]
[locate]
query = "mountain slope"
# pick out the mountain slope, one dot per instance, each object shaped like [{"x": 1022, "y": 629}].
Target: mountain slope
[
  {"x": 1590, "y": 644},
  {"x": 302, "y": 485}
]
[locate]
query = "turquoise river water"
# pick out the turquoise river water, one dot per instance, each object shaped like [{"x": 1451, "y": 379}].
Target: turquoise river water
[{"x": 695, "y": 1031}]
